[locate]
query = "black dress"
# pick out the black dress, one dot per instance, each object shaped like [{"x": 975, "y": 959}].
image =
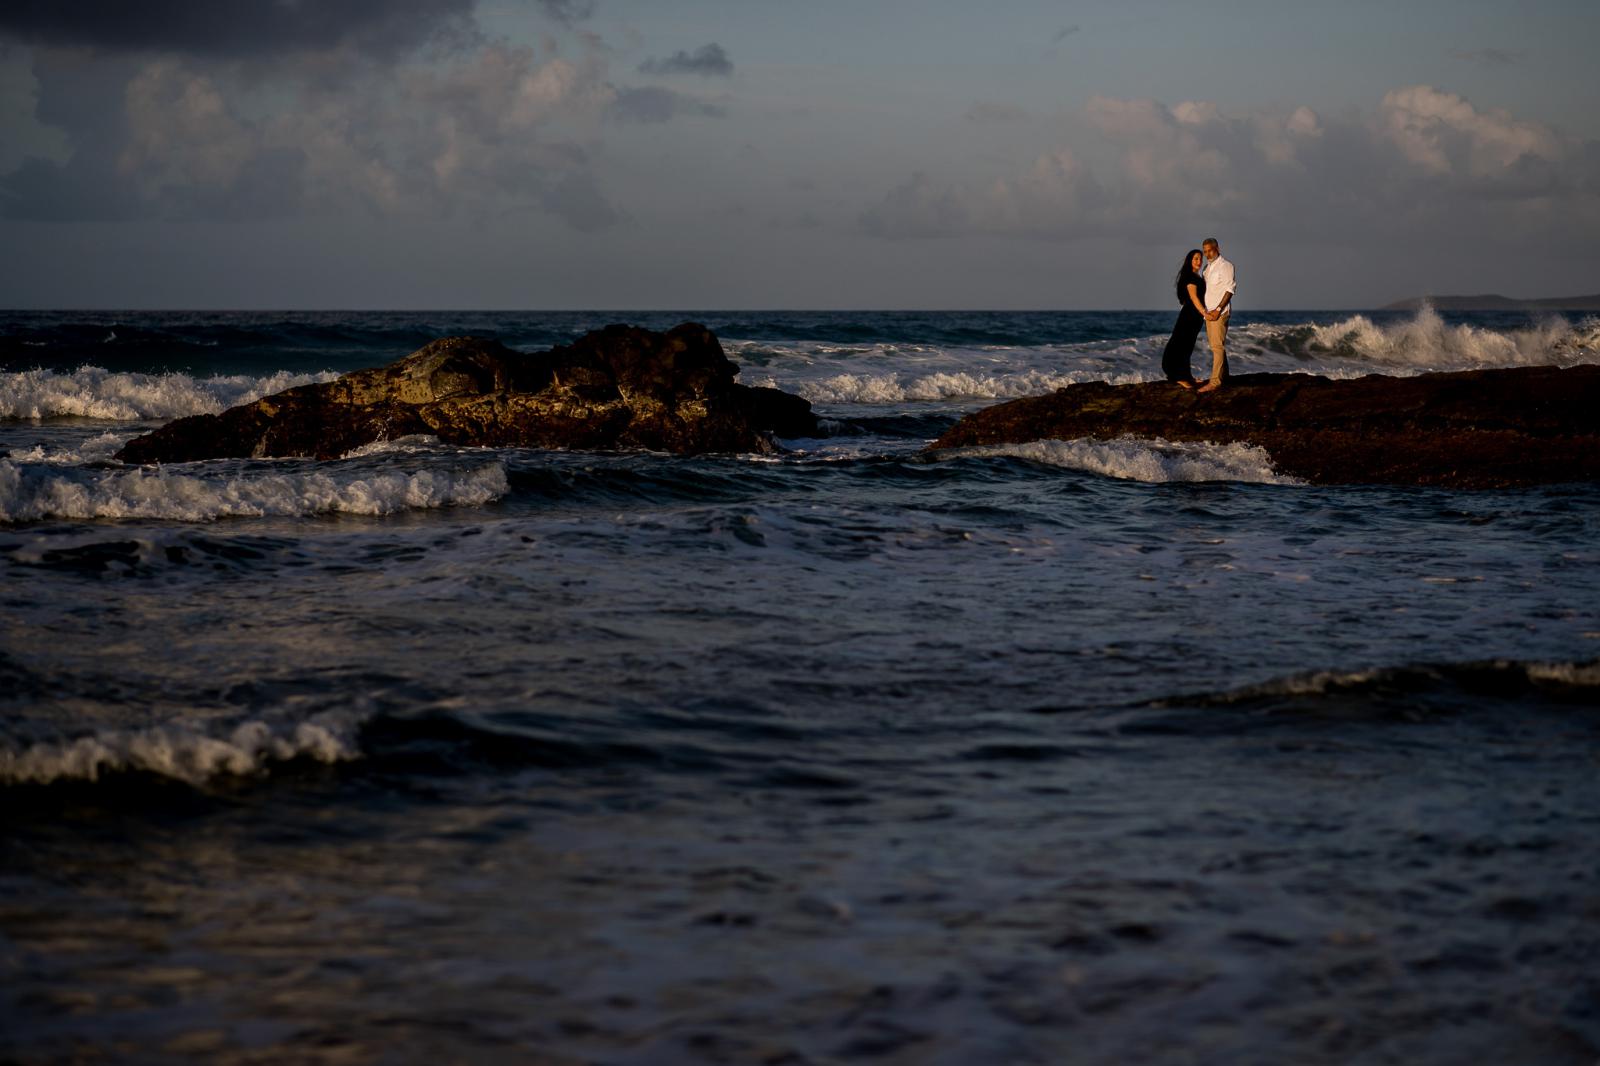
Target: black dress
[{"x": 1180, "y": 346}]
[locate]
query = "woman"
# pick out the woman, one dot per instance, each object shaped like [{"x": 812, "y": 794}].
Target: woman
[{"x": 1191, "y": 290}]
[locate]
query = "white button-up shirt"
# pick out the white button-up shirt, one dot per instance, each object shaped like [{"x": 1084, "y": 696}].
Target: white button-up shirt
[{"x": 1219, "y": 282}]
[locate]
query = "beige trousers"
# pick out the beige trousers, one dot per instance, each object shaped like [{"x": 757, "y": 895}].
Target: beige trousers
[{"x": 1217, "y": 334}]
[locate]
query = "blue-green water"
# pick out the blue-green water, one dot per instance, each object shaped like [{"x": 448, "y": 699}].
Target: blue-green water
[{"x": 1071, "y": 752}]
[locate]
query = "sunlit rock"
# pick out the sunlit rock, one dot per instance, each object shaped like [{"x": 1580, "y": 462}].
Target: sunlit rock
[
  {"x": 621, "y": 387},
  {"x": 1472, "y": 429}
]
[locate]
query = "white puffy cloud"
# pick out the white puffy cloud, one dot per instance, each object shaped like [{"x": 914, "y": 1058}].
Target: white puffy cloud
[
  {"x": 181, "y": 131},
  {"x": 1422, "y": 159},
  {"x": 1444, "y": 134}
]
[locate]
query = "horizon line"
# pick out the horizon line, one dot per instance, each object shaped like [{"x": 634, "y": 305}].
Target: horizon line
[{"x": 663, "y": 310}]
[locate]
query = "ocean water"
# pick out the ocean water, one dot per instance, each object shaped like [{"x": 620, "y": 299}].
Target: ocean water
[{"x": 1074, "y": 751}]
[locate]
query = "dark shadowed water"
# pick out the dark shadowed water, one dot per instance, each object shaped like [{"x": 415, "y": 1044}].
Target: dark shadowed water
[{"x": 1099, "y": 752}]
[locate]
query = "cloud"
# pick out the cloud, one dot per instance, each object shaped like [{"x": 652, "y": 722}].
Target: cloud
[
  {"x": 1489, "y": 57},
  {"x": 651, "y": 104},
  {"x": 24, "y": 135},
  {"x": 710, "y": 60},
  {"x": 985, "y": 111},
  {"x": 1055, "y": 197},
  {"x": 567, "y": 12},
  {"x": 183, "y": 137},
  {"x": 182, "y": 131},
  {"x": 1064, "y": 32},
  {"x": 383, "y": 28},
  {"x": 1424, "y": 161},
  {"x": 297, "y": 108},
  {"x": 1442, "y": 133},
  {"x": 577, "y": 199}
]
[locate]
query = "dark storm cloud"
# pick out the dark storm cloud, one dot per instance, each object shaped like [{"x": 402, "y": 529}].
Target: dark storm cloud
[
  {"x": 171, "y": 136},
  {"x": 577, "y": 201},
  {"x": 1489, "y": 57},
  {"x": 239, "y": 28},
  {"x": 567, "y": 12},
  {"x": 82, "y": 95},
  {"x": 42, "y": 191},
  {"x": 652, "y": 104},
  {"x": 710, "y": 60}
]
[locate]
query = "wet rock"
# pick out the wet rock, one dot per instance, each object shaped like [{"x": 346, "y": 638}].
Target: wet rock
[
  {"x": 621, "y": 387},
  {"x": 1469, "y": 429}
]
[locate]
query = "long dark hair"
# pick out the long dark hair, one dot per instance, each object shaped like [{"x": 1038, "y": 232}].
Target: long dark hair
[{"x": 1184, "y": 274}]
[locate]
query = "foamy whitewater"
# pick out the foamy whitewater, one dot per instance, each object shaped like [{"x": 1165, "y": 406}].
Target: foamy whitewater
[
  {"x": 232, "y": 489},
  {"x": 1089, "y": 751}
]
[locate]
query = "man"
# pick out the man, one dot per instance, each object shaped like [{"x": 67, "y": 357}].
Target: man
[{"x": 1219, "y": 297}]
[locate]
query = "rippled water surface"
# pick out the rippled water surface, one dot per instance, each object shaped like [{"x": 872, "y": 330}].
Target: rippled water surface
[{"x": 1096, "y": 752}]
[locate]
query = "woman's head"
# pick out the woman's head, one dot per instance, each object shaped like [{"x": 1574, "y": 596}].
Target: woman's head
[{"x": 1193, "y": 261}]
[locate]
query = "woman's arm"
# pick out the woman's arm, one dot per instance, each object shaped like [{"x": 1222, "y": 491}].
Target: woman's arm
[{"x": 1194, "y": 298}]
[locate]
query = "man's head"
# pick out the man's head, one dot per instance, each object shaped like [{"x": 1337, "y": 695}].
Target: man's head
[{"x": 1209, "y": 246}]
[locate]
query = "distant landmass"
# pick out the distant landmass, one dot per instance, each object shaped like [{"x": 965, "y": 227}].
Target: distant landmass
[{"x": 1493, "y": 302}]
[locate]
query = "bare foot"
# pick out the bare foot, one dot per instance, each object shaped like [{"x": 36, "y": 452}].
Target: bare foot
[
  {"x": 1211, "y": 386},
  {"x": 1185, "y": 384}
]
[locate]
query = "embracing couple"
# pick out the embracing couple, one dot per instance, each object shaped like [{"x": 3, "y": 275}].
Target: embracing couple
[{"x": 1205, "y": 292}]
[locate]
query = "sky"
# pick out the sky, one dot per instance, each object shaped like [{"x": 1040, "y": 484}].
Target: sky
[{"x": 736, "y": 154}]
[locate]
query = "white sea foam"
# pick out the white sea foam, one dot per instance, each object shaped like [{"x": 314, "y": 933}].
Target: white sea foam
[
  {"x": 407, "y": 445},
  {"x": 1314, "y": 683},
  {"x": 97, "y": 449},
  {"x": 1153, "y": 461},
  {"x": 1329, "y": 682},
  {"x": 880, "y": 374},
  {"x": 93, "y": 392},
  {"x": 29, "y": 493},
  {"x": 934, "y": 387},
  {"x": 1576, "y": 675},
  {"x": 185, "y": 753},
  {"x": 1426, "y": 342}
]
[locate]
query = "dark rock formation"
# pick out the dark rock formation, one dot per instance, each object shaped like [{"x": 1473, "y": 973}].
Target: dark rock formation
[
  {"x": 618, "y": 387},
  {"x": 1474, "y": 429}
]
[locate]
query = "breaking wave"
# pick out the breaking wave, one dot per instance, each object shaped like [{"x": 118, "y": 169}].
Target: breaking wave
[
  {"x": 193, "y": 755},
  {"x": 31, "y": 493},
  {"x": 97, "y": 449},
  {"x": 1427, "y": 342},
  {"x": 1154, "y": 461},
  {"x": 1503, "y": 674},
  {"x": 955, "y": 385},
  {"x": 1351, "y": 346},
  {"x": 411, "y": 444},
  {"x": 93, "y": 392},
  {"x": 1409, "y": 692}
]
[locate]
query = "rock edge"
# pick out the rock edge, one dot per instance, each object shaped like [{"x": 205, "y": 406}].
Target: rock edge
[
  {"x": 1473, "y": 429},
  {"x": 621, "y": 387}
]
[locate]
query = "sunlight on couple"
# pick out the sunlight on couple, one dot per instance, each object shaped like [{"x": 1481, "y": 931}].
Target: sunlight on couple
[{"x": 1205, "y": 289}]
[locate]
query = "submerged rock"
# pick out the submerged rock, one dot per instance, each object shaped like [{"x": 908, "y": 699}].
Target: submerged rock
[
  {"x": 618, "y": 387},
  {"x": 1471, "y": 429}
]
